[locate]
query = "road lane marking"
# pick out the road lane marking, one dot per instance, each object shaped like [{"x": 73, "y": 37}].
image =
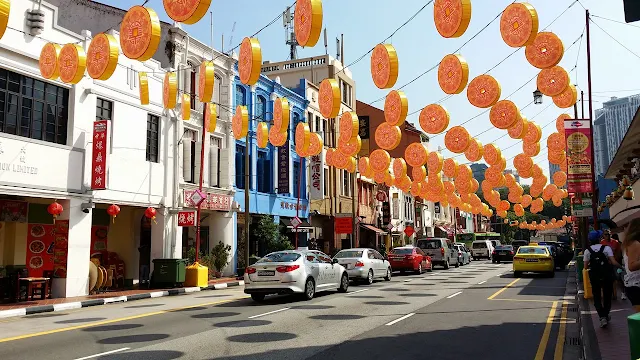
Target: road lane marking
[
  {"x": 547, "y": 331},
  {"x": 268, "y": 313},
  {"x": 408, "y": 280},
  {"x": 527, "y": 300},
  {"x": 455, "y": 294},
  {"x": 101, "y": 354},
  {"x": 561, "y": 332},
  {"x": 400, "y": 319},
  {"x": 357, "y": 291},
  {"x": 105, "y": 322},
  {"x": 482, "y": 282},
  {"x": 503, "y": 289}
]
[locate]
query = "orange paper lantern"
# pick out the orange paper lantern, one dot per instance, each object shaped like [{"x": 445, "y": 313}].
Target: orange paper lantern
[
  {"x": 452, "y": 17},
  {"x": 379, "y": 160},
  {"x": 531, "y": 149},
  {"x": 352, "y": 147},
  {"x": 418, "y": 173},
  {"x": 363, "y": 165},
  {"x": 534, "y": 133},
  {"x": 399, "y": 168},
  {"x": 140, "y": 33},
  {"x": 72, "y": 62},
  {"x": 396, "y": 106},
  {"x": 262, "y": 134},
  {"x": 556, "y": 142},
  {"x": 5, "y": 9},
  {"x": 186, "y": 107},
  {"x": 169, "y": 90},
  {"x": 384, "y": 66},
  {"x": 450, "y": 168},
  {"x": 303, "y": 136},
  {"x": 102, "y": 56},
  {"x": 206, "y": 79},
  {"x": 416, "y": 154},
  {"x": 560, "y": 178},
  {"x": 249, "y": 61},
  {"x": 567, "y": 98},
  {"x": 434, "y": 119},
  {"x": 475, "y": 151},
  {"x": 348, "y": 126},
  {"x": 492, "y": 154},
  {"x": 453, "y": 74},
  {"x": 307, "y": 23},
  {"x": 545, "y": 51},
  {"x": 457, "y": 139},
  {"x": 519, "y": 24},
  {"x": 519, "y": 129},
  {"x": 144, "y": 88},
  {"x": 504, "y": 114},
  {"x": 49, "y": 62},
  {"x": 329, "y": 98},
  {"x": 186, "y": 11},
  {"x": 211, "y": 117},
  {"x": 553, "y": 81},
  {"x": 240, "y": 122},
  {"x": 483, "y": 91},
  {"x": 560, "y": 122},
  {"x": 278, "y": 138},
  {"x": 522, "y": 162},
  {"x": 434, "y": 162},
  {"x": 281, "y": 115},
  {"x": 388, "y": 137}
]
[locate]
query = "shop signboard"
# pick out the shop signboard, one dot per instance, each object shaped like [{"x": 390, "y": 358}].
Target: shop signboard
[
  {"x": 61, "y": 248},
  {"x": 99, "y": 155},
  {"x": 212, "y": 201},
  {"x": 343, "y": 225},
  {"x": 316, "y": 191},
  {"x": 186, "y": 218},
  {"x": 363, "y": 132},
  {"x": 283, "y": 168},
  {"x": 409, "y": 231},
  {"x": 581, "y": 207},
  {"x": 13, "y": 211},
  {"x": 386, "y": 213},
  {"x": 579, "y": 147},
  {"x": 40, "y": 249}
]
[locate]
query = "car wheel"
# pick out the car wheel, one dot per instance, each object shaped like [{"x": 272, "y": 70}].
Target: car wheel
[
  {"x": 430, "y": 269},
  {"x": 497, "y": 261},
  {"x": 309, "y": 289},
  {"x": 446, "y": 265},
  {"x": 420, "y": 268},
  {"x": 344, "y": 283},
  {"x": 369, "y": 279},
  {"x": 388, "y": 277},
  {"x": 258, "y": 297},
  {"x": 517, "y": 274}
]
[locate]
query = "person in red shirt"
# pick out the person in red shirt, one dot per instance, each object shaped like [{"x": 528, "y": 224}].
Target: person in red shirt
[{"x": 615, "y": 245}]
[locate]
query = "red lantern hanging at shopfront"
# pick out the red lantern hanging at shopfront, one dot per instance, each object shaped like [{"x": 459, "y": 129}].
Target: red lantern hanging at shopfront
[
  {"x": 113, "y": 211},
  {"x": 55, "y": 209},
  {"x": 151, "y": 214}
]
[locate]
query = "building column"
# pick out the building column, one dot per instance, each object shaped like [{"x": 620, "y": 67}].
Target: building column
[
  {"x": 225, "y": 228},
  {"x": 79, "y": 251},
  {"x": 160, "y": 231}
]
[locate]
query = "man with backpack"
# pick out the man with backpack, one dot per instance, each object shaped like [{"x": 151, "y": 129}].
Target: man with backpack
[{"x": 600, "y": 262}]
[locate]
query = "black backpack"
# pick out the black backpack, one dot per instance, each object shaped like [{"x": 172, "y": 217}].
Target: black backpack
[{"x": 599, "y": 266}]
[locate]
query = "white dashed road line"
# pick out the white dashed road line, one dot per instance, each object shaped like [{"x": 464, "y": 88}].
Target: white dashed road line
[
  {"x": 400, "y": 319},
  {"x": 482, "y": 282},
  {"x": 357, "y": 291},
  {"x": 268, "y": 313},
  {"x": 104, "y": 353},
  {"x": 456, "y": 294}
]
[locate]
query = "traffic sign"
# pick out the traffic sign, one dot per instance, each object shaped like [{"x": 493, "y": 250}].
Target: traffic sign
[
  {"x": 390, "y": 226},
  {"x": 295, "y": 222},
  {"x": 197, "y": 197},
  {"x": 409, "y": 231}
]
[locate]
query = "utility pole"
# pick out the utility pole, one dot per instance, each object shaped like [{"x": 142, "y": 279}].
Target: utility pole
[
  {"x": 204, "y": 132},
  {"x": 247, "y": 180},
  {"x": 594, "y": 202}
]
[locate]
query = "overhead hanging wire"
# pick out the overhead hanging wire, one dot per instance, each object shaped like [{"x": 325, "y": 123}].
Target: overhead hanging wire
[{"x": 614, "y": 39}]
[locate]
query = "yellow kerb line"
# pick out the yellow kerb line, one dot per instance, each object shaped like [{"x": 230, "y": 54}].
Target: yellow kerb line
[
  {"x": 48, "y": 332},
  {"x": 503, "y": 289},
  {"x": 561, "y": 333},
  {"x": 547, "y": 331}
]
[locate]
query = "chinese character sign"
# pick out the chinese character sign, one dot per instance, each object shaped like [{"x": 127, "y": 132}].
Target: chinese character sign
[
  {"x": 317, "y": 177},
  {"x": 186, "y": 218},
  {"x": 579, "y": 147},
  {"x": 217, "y": 202},
  {"x": 99, "y": 155},
  {"x": 283, "y": 168}
]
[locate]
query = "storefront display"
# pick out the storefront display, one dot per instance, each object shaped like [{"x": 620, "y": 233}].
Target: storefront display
[
  {"x": 40, "y": 245},
  {"x": 61, "y": 249}
]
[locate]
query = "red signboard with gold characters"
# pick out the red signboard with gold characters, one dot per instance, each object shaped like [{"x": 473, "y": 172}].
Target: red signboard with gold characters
[
  {"x": 99, "y": 155},
  {"x": 40, "y": 245}
]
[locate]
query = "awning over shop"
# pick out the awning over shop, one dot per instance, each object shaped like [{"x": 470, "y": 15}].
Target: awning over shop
[
  {"x": 303, "y": 227},
  {"x": 627, "y": 151},
  {"x": 445, "y": 229},
  {"x": 373, "y": 228}
]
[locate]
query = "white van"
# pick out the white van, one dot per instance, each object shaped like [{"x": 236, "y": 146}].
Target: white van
[{"x": 481, "y": 249}]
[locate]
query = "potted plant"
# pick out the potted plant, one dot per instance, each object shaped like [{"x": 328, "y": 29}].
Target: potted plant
[
  {"x": 240, "y": 261},
  {"x": 220, "y": 254}
]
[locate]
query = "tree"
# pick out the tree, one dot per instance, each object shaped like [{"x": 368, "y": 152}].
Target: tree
[{"x": 266, "y": 232}]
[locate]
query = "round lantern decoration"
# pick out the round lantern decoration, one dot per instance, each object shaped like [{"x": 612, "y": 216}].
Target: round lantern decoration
[
  {"x": 531, "y": 149},
  {"x": 567, "y": 98},
  {"x": 399, "y": 168},
  {"x": 49, "y": 61},
  {"x": 143, "y": 79},
  {"x": 150, "y": 213},
  {"x": 140, "y": 33},
  {"x": 262, "y": 134},
  {"x": 450, "y": 168},
  {"x": 534, "y": 133},
  {"x": 277, "y": 138},
  {"x": 329, "y": 98},
  {"x": 483, "y": 91},
  {"x": 113, "y": 211},
  {"x": 556, "y": 142},
  {"x": 186, "y": 107},
  {"x": 457, "y": 139},
  {"x": 384, "y": 66},
  {"x": 307, "y": 22},
  {"x": 351, "y": 164},
  {"x": 504, "y": 114},
  {"x": 5, "y": 9},
  {"x": 303, "y": 137},
  {"x": 434, "y": 162},
  {"x": 55, "y": 209},
  {"x": 416, "y": 154},
  {"x": 434, "y": 119},
  {"x": 518, "y": 129},
  {"x": 240, "y": 122},
  {"x": 379, "y": 160},
  {"x": 249, "y": 61},
  {"x": 169, "y": 90},
  {"x": 453, "y": 74},
  {"x": 364, "y": 166},
  {"x": 560, "y": 122},
  {"x": 522, "y": 162},
  {"x": 388, "y": 137},
  {"x": 281, "y": 115},
  {"x": 72, "y": 63},
  {"x": 492, "y": 154},
  {"x": 352, "y": 147},
  {"x": 418, "y": 173},
  {"x": 328, "y": 159},
  {"x": 211, "y": 117},
  {"x": 380, "y": 176},
  {"x": 206, "y": 78},
  {"x": 553, "y": 81},
  {"x": 315, "y": 145},
  {"x": 545, "y": 51},
  {"x": 519, "y": 24},
  {"x": 102, "y": 56},
  {"x": 348, "y": 126},
  {"x": 452, "y": 17},
  {"x": 475, "y": 151},
  {"x": 396, "y": 107},
  {"x": 186, "y": 11},
  {"x": 560, "y": 178}
]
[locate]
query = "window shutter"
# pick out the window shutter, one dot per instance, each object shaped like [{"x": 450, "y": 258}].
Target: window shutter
[
  {"x": 186, "y": 159},
  {"x": 224, "y": 96},
  {"x": 225, "y": 170},
  {"x": 213, "y": 166},
  {"x": 197, "y": 161}
]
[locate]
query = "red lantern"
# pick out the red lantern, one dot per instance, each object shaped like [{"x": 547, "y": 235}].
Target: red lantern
[
  {"x": 55, "y": 209},
  {"x": 113, "y": 211},
  {"x": 151, "y": 214}
]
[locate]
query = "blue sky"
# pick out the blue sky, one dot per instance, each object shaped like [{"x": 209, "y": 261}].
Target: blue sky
[{"x": 365, "y": 23}]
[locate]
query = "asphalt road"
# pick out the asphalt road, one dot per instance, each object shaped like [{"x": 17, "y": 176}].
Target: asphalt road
[{"x": 478, "y": 311}]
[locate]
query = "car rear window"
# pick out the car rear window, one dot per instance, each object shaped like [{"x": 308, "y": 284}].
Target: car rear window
[
  {"x": 504, "y": 247},
  {"x": 402, "y": 251},
  {"x": 532, "y": 250},
  {"x": 429, "y": 244},
  {"x": 279, "y": 257},
  {"x": 479, "y": 245},
  {"x": 349, "y": 254}
]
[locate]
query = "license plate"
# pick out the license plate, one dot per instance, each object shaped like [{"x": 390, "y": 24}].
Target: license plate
[
  {"x": 266, "y": 273},
  {"x": 503, "y": 253},
  {"x": 531, "y": 260}
]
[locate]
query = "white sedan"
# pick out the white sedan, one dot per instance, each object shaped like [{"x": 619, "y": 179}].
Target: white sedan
[
  {"x": 364, "y": 264},
  {"x": 294, "y": 272}
]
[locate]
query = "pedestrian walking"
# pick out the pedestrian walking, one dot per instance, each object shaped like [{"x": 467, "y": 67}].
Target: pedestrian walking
[
  {"x": 599, "y": 260},
  {"x": 631, "y": 254},
  {"x": 614, "y": 243}
]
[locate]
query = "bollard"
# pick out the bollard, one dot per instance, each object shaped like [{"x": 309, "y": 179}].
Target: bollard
[
  {"x": 586, "y": 284},
  {"x": 196, "y": 275},
  {"x": 633, "y": 322}
]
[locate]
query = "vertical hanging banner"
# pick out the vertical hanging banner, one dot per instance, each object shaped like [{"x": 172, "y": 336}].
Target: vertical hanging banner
[
  {"x": 317, "y": 177},
  {"x": 579, "y": 146},
  {"x": 283, "y": 168},
  {"x": 99, "y": 155}
]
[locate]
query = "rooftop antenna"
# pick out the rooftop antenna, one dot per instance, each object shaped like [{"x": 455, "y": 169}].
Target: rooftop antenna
[
  {"x": 338, "y": 49},
  {"x": 289, "y": 33},
  {"x": 326, "y": 43}
]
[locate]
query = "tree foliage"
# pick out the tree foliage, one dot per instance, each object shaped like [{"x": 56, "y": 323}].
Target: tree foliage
[{"x": 265, "y": 231}]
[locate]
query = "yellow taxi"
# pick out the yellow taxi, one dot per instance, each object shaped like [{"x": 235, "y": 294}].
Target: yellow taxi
[{"x": 533, "y": 258}]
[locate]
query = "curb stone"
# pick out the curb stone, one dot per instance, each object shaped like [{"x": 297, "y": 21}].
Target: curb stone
[
  {"x": 590, "y": 349},
  {"x": 119, "y": 299}
]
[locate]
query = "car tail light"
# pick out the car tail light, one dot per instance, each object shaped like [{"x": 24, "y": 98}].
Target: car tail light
[
  {"x": 287, "y": 268},
  {"x": 250, "y": 270},
  {"x": 511, "y": 252},
  {"x": 459, "y": 253},
  {"x": 359, "y": 264},
  {"x": 493, "y": 253},
  {"x": 442, "y": 251}
]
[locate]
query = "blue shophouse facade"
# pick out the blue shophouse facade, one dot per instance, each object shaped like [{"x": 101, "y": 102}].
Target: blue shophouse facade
[{"x": 277, "y": 176}]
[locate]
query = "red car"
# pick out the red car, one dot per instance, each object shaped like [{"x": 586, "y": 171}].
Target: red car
[{"x": 409, "y": 258}]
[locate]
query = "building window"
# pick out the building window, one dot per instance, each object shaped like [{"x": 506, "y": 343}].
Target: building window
[
  {"x": 240, "y": 166},
  {"x": 32, "y": 108},
  {"x": 190, "y": 138},
  {"x": 296, "y": 120},
  {"x": 240, "y": 95},
  {"x": 193, "y": 76},
  {"x": 261, "y": 108},
  {"x": 346, "y": 92},
  {"x": 264, "y": 172},
  {"x": 299, "y": 188},
  {"x": 104, "y": 109},
  {"x": 153, "y": 138},
  {"x": 347, "y": 180},
  {"x": 318, "y": 124},
  {"x": 214, "y": 160}
]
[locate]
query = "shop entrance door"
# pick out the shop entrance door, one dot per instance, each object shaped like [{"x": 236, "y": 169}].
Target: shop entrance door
[{"x": 144, "y": 250}]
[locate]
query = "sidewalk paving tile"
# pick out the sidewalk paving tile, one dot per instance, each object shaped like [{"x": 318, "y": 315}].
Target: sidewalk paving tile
[{"x": 613, "y": 340}]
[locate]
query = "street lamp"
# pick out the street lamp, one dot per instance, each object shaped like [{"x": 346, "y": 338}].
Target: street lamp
[{"x": 537, "y": 97}]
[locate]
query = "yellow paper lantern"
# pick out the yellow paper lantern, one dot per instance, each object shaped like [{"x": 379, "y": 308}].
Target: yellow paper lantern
[
  {"x": 262, "y": 135},
  {"x": 186, "y": 107},
  {"x": 519, "y": 24},
  {"x": 240, "y": 122},
  {"x": 396, "y": 107},
  {"x": 5, "y": 9},
  {"x": 384, "y": 66},
  {"x": 281, "y": 115},
  {"x": 140, "y": 33},
  {"x": 453, "y": 74},
  {"x": 315, "y": 145},
  {"x": 303, "y": 137},
  {"x": 169, "y": 90},
  {"x": 206, "y": 79},
  {"x": 102, "y": 56},
  {"x": 280, "y": 138},
  {"x": 307, "y": 22},
  {"x": 144, "y": 88},
  {"x": 249, "y": 61},
  {"x": 567, "y": 98},
  {"x": 348, "y": 126},
  {"x": 329, "y": 98},
  {"x": 188, "y": 12},
  {"x": 452, "y": 17},
  {"x": 49, "y": 61},
  {"x": 212, "y": 116},
  {"x": 72, "y": 62}
]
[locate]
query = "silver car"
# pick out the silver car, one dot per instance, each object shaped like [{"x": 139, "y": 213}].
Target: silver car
[
  {"x": 464, "y": 255},
  {"x": 364, "y": 264},
  {"x": 294, "y": 272}
]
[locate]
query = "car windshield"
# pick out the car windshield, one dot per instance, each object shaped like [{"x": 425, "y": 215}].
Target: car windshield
[
  {"x": 429, "y": 244},
  {"x": 532, "y": 250},
  {"x": 402, "y": 251},
  {"x": 479, "y": 245},
  {"x": 282, "y": 257},
  {"x": 504, "y": 247},
  {"x": 349, "y": 254}
]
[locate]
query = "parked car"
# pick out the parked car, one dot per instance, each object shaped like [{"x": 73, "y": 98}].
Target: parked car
[
  {"x": 294, "y": 272},
  {"x": 409, "y": 258},
  {"x": 517, "y": 243},
  {"x": 481, "y": 249},
  {"x": 502, "y": 253},
  {"x": 558, "y": 252},
  {"x": 536, "y": 258},
  {"x": 364, "y": 264},
  {"x": 440, "y": 250},
  {"x": 464, "y": 255}
]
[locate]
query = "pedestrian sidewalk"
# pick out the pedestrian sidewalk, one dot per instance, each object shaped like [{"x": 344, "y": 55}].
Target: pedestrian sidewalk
[{"x": 49, "y": 305}]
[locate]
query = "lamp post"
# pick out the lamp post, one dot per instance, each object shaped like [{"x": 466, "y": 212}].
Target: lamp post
[{"x": 537, "y": 97}]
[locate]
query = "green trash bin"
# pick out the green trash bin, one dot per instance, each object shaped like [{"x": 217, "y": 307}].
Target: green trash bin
[
  {"x": 580, "y": 267},
  {"x": 633, "y": 321},
  {"x": 168, "y": 272}
]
